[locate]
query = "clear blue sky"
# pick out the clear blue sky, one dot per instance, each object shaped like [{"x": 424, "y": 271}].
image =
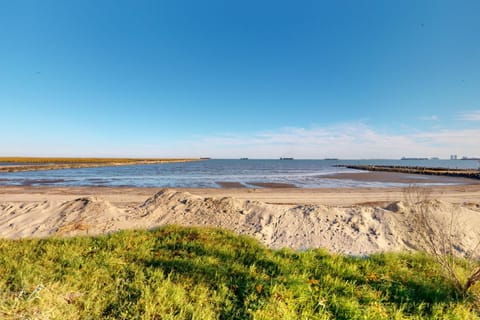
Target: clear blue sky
[{"x": 309, "y": 79}]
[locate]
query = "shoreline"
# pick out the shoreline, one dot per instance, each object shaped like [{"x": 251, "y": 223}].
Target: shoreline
[{"x": 364, "y": 179}]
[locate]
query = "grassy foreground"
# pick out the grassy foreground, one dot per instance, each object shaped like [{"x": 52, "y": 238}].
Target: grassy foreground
[{"x": 194, "y": 273}]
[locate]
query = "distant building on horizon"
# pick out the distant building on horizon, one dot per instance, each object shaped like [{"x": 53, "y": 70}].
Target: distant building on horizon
[{"x": 453, "y": 157}]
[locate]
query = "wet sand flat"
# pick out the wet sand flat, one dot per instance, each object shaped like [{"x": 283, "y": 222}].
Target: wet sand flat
[
  {"x": 230, "y": 184},
  {"x": 272, "y": 185}
]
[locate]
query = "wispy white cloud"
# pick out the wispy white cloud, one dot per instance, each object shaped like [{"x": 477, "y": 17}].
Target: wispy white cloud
[
  {"x": 345, "y": 140},
  {"x": 470, "y": 115},
  {"x": 348, "y": 141}
]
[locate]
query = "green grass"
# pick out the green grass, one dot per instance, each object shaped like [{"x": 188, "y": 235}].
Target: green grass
[{"x": 196, "y": 273}]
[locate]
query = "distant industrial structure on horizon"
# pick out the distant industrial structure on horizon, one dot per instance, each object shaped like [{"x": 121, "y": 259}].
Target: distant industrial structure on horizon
[{"x": 452, "y": 157}]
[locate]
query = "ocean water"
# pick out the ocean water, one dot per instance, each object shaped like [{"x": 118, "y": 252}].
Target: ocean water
[{"x": 207, "y": 174}]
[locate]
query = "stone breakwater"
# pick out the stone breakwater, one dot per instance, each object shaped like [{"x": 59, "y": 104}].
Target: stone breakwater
[{"x": 463, "y": 173}]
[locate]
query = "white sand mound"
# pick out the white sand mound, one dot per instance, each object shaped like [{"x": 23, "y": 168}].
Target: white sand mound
[
  {"x": 171, "y": 207},
  {"x": 80, "y": 216},
  {"x": 357, "y": 230}
]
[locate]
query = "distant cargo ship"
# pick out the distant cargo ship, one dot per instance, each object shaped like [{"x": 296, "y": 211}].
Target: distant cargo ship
[
  {"x": 405, "y": 158},
  {"x": 286, "y": 158},
  {"x": 243, "y": 158},
  {"x": 334, "y": 159}
]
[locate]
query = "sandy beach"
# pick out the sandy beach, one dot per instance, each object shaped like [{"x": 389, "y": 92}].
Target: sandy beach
[
  {"x": 346, "y": 220},
  {"x": 321, "y": 196}
]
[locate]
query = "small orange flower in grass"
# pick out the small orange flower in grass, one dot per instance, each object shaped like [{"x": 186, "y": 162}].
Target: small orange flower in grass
[
  {"x": 313, "y": 282},
  {"x": 372, "y": 277},
  {"x": 259, "y": 288}
]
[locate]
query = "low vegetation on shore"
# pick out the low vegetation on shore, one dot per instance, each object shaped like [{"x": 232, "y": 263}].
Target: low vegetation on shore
[
  {"x": 204, "y": 273},
  {"x": 17, "y": 164},
  {"x": 47, "y": 160}
]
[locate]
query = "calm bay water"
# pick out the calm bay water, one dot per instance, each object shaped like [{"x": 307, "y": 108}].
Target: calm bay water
[{"x": 206, "y": 174}]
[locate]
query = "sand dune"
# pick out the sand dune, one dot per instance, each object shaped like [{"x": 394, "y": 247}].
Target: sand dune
[
  {"x": 87, "y": 215},
  {"x": 355, "y": 229}
]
